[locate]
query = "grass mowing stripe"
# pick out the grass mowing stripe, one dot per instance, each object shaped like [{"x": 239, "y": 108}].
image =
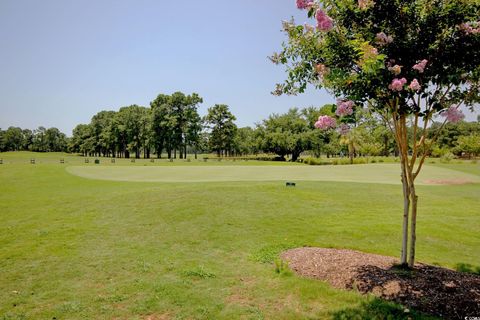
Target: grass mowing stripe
[{"x": 373, "y": 173}]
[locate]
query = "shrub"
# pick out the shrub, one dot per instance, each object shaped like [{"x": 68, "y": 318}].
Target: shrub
[
  {"x": 438, "y": 152},
  {"x": 314, "y": 161},
  {"x": 359, "y": 161},
  {"x": 447, "y": 157}
]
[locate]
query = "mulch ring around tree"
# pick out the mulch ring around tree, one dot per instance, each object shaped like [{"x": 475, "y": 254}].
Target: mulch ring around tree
[{"x": 433, "y": 290}]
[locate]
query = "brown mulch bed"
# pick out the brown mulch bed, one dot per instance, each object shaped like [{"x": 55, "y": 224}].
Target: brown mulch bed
[{"x": 429, "y": 289}]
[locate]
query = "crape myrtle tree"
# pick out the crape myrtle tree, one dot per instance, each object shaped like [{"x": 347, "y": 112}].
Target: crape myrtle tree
[{"x": 408, "y": 61}]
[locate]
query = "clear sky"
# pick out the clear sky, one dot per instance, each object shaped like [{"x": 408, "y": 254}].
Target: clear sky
[{"x": 62, "y": 61}]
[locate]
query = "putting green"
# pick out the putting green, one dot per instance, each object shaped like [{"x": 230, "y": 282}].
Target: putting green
[{"x": 372, "y": 173}]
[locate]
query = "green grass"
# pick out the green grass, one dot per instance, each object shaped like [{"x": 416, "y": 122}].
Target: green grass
[
  {"x": 75, "y": 248},
  {"x": 373, "y": 173}
]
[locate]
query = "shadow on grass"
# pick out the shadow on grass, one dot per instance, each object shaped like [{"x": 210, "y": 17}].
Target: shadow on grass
[
  {"x": 378, "y": 309},
  {"x": 432, "y": 290},
  {"x": 468, "y": 268}
]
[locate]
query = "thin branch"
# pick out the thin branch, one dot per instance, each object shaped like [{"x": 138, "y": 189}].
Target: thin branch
[
  {"x": 434, "y": 139},
  {"x": 415, "y": 147}
]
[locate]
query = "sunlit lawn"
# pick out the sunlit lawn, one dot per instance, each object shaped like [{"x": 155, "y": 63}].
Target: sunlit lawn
[{"x": 76, "y": 248}]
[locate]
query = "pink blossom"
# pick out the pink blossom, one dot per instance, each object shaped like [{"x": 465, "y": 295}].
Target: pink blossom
[
  {"x": 396, "y": 69},
  {"x": 343, "y": 129},
  {"x": 325, "y": 123},
  {"x": 397, "y": 84},
  {"x": 470, "y": 27},
  {"x": 420, "y": 66},
  {"x": 383, "y": 39},
  {"x": 414, "y": 85},
  {"x": 304, "y": 4},
  {"x": 324, "y": 22},
  {"x": 453, "y": 115},
  {"x": 344, "y": 108}
]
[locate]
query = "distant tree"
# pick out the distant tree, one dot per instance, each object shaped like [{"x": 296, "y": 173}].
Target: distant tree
[
  {"x": 55, "y": 141},
  {"x": 175, "y": 123},
  {"x": 81, "y": 137},
  {"x": 468, "y": 145},
  {"x": 451, "y": 132},
  {"x": 102, "y": 133},
  {"x": 39, "y": 141},
  {"x": 132, "y": 128},
  {"x": 13, "y": 139},
  {"x": 245, "y": 141},
  {"x": 220, "y": 122},
  {"x": 27, "y": 139},
  {"x": 193, "y": 130},
  {"x": 2, "y": 140},
  {"x": 48, "y": 140},
  {"x": 162, "y": 125},
  {"x": 352, "y": 140},
  {"x": 188, "y": 124},
  {"x": 285, "y": 134}
]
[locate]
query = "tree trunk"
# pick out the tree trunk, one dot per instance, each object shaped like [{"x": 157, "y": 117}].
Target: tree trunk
[
  {"x": 406, "y": 211},
  {"x": 413, "y": 225},
  {"x": 295, "y": 156},
  {"x": 385, "y": 147},
  {"x": 351, "y": 152}
]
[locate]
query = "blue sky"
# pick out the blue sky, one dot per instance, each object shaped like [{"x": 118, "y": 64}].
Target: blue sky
[
  {"x": 64, "y": 60},
  {"x": 61, "y": 61}
]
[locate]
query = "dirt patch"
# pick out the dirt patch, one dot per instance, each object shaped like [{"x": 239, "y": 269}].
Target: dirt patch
[
  {"x": 433, "y": 290},
  {"x": 448, "y": 181}
]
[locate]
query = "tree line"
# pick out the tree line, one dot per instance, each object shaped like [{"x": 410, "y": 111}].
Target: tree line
[
  {"x": 172, "y": 127},
  {"x": 39, "y": 140}
]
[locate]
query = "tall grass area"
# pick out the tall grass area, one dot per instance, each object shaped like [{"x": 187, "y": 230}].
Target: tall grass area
[{"x": 74, "y": 248}]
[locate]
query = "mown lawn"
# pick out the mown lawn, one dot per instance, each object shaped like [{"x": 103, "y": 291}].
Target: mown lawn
[{"x": 76, "y": 248}]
